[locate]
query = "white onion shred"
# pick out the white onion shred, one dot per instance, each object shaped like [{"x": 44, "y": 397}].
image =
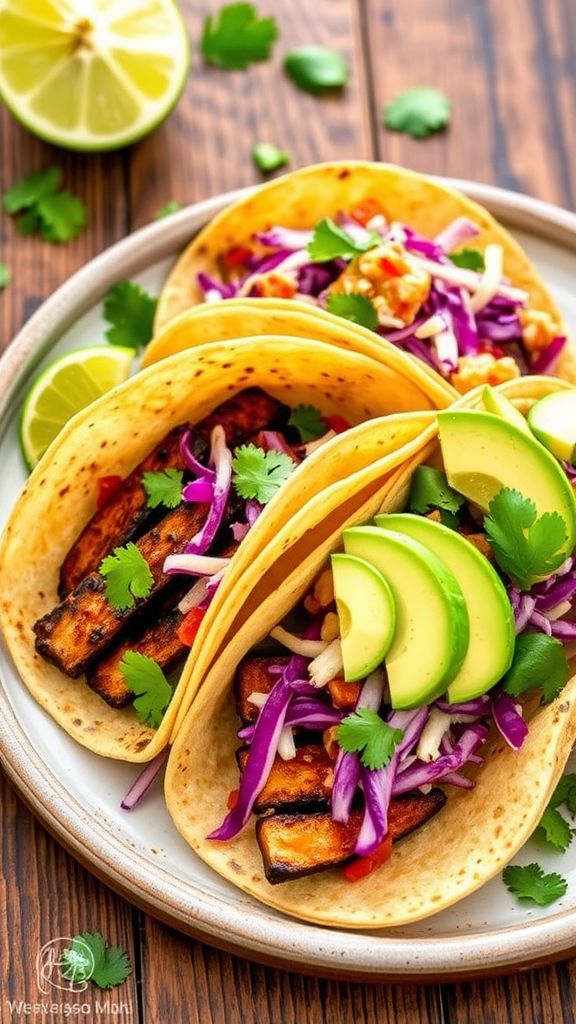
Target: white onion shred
[
  {"x": 433, "y": 325},
  {"x": 491, "y": 278},
  {"x": 292, "y": 263},
  {"x": 297, "y": 644},
  {"x": 258, "y": 699},
  {"x": 559, "y": 610},
  {"x": 200, "y": 565},
  {"x": 468, "y": 279},
  {"x": 195, "y": 596},
  {"x": 286, "y": 745},
  {"x": 327, "y": 666},
  {"x": 313, "y": 445},
  {"x": 438, "y": 723}
]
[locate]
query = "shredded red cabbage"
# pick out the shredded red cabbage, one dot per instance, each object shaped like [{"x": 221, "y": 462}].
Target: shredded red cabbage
[
  {"x": 347, "y": 768},
  {"x": 199, "y": 490},
  {"x": 424, "y": 774},
  {"x": 546, "y": 361},
  {"x": 144, "y": 780},
  {"x": 508, "y": 721},
  {"x": 221, "y": 458}
]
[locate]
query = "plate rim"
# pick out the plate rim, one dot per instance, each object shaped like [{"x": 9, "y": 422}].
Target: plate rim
[{"x": 247, "y": 931}]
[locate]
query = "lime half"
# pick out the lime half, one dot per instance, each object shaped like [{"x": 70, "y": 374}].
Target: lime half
[
  {"x": 63, "y": 388},
  {"x": 92, "y": 74}
]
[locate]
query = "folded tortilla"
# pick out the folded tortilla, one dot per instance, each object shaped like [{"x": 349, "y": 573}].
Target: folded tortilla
[{"x": 474, "y": 835}]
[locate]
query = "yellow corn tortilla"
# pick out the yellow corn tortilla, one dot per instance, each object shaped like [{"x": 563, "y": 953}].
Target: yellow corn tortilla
[
  {"x": 112, "y": 436},
  {"x": 477, "y": 832},
  {"x": 302, "y": 198}
]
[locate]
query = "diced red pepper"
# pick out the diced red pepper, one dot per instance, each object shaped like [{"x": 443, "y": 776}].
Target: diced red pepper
[
  {"x": 366, "y": 210},
  {"x": 365, "y": 865},
  {"x": 337, "y": 423},
  {"x": 494, "y": 350},
  {"x": 232, "y": 798},
  {"x": 190, "y": 625},
  {"x": 390, "y": 268},
  {"x": 237, "y": 256},
  {"x": 107, "y": 486}
]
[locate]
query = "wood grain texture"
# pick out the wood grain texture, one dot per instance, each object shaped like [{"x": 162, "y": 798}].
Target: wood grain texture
[{"x": 510, "y": 72}]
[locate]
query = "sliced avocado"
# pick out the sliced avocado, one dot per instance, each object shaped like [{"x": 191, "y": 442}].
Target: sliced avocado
[
  {"x": 367, "y": 615},
  {"x": 483, "y": 453},
  {"x": 497, "y": 403},
  {"x": 432, "y": 629},
  {"x": 492, "y": 633},
  {"x": 553, "y": 421}
]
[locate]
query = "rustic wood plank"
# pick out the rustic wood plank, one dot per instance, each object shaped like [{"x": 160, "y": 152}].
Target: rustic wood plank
[
  {"x": 46, "y": 895},
  {"x": 505, "y": 68},
  {"x": 536, "y": 997}
]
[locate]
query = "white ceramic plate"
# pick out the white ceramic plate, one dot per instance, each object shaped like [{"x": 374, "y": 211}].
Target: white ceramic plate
[{"x": 77, "y": 795}]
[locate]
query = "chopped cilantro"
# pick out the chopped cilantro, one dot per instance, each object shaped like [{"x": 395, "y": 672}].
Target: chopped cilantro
[
  {"x": 565, "y": 793},
  {"x": 130, "y": 311},
  {"x": 90, "y": 958},
  {"x": 525, "y": 546},
  {"x": 530, "y": 883},
  {"x": 555, "y": 829},
  {"x": 146, "y": 679},
  {"x": 469, "y": 259},
  {"x": 539, "y": 662},
  {"x": 356, "y": 308},
  {"x": 418, "y": 112},
  {"x": 365, "y": 731},
  {"x": 172, "y": 206},
  {"x": 268, "y": 157},
  {"x": 57, "y": 216},
  {"x": 309, "y": 422},
  {"x": 330, "y": 242},
  {"x": 316, "y": 68},
  {"x": 259, "y": 474},
  {"x": 4, "y": 275},
  {"x": 163, "y": 488},
  {"x": 430, "y": 490},
  {"x": 127, "y": 576},
  {"x": 237, "y": 36}
]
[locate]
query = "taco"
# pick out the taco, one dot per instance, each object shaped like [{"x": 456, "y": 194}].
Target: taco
[
  {"x": 414, "y": 260},
  {"x": 418, "y": 694},
  {"x": 156, "y": 498}
]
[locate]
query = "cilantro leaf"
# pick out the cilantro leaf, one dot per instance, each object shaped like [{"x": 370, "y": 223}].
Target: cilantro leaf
[
  {"x": 29, "y": 191},
  {"x": 172, "y": 206},
  {"x": 90, "y": 958},
  {"x": 259, "y": 474},
  {"x": 309, "y": 422},
  {"x": 146, "y": 679},
  {"x": 130, "y": 311},
  {"x": 330, "y": 242},
  {"x": 365, "y": 731},
  {"x": 5, "y": 275},
  {"x": 418, "y": 112},
  {"x": 163, "y": 488},
  {"x": 531, "y": 883},
  {"x": 63, "y": 216},
  {"x": 356, "y": 308},
  {"x": 565, "y": 793},
  {"x": 524, "y": 546},
  {"x": 316, "y": 68},
  {"x": 268, "y": 157},
  {"x": 555, "y": 829},
  {"x": 237, "y": 36},
  {"x": 430, "y": 490},
  {"x": 470, "y": 259},
  {"x": 539, "y": 661},
  {"x": 127, "y": 576},
  {"x": 29, "y": 223}
]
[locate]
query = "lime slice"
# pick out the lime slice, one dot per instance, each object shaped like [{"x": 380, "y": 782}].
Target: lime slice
[
  {"x": 89, "y": 74},
  {"x": 63, "y": 388}
]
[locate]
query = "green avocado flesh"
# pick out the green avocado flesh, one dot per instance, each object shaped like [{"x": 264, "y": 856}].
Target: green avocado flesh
[
  {"x": 553, "y": 421},
  {"x": 497, "y": 403},
  {"x": 492, "y": 633},
  {"x": 367, "y": 614},
  {"x": 483, "y": 453},
  {"x": 432, "y": 630}
]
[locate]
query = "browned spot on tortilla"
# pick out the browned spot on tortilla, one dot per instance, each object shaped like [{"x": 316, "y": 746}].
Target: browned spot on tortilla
[
  {"x": 142, "y": 744},
  {"x": 498, "y": 811},
  {"x": 76, "y": 721},
  {"x": 236, "y": 867},
  {"x": 63, "y": 491},
  {"x": 103, "y": 444},
  {"x": 342, "y": 175}
]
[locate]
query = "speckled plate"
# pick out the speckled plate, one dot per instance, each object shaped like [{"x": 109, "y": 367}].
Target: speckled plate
[{"x": 77, "y": 795}]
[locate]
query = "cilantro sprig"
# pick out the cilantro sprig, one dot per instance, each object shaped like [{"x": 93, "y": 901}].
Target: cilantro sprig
[
  {"x": 356, "y": 308},
  {"x": 539, "y": 662},
  {"x": 469, "y": 259},
  {"x": 163, "y": 487},
  {"x": 90, "y": 958},
  {"x": 144, "y": 677},
  {"x": 127, "y": 576},
  {"x": 44, "y": 208},
  {"x": 259, "y": 474},
  {"x": 525, "y": 545},
  {"x": 130, "y": 312},
  {"x": 236, "y": 36},
  {"x": 418, "y": 112},
  {"x": 430, "y": 490},
  {"x": 308, "y": 421},
  {"x": 553, "y": 827},
  {"x": 316, "y": 68},
  {"x": 364, "y": 731},
  {"x": 5, "y": 275},
  {"x": 331, "y": 241},
  {"x": 172, "y": 206},
  {"x": 268, "y": 157},
  {"x": 531, "y": 883}
]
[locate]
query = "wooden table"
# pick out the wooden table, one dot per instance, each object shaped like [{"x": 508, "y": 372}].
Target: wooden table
[{"x": 509, "y": 69}]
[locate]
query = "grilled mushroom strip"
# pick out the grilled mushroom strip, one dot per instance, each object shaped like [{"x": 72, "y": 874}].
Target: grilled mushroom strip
[
  {"x": 294, "y": 845},
  {"x": 253, "y": 676}
]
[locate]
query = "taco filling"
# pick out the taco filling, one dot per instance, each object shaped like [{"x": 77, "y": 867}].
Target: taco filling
[
  {"x": 440, "y": 299},
  {"x": 138, "y": 580},
  {"x": 427, "y": 633}
]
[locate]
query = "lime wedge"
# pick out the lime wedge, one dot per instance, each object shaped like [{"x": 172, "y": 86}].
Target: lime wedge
[
  {"x": 69, "y": 384},
  {"x": 91, "y": 75}
]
